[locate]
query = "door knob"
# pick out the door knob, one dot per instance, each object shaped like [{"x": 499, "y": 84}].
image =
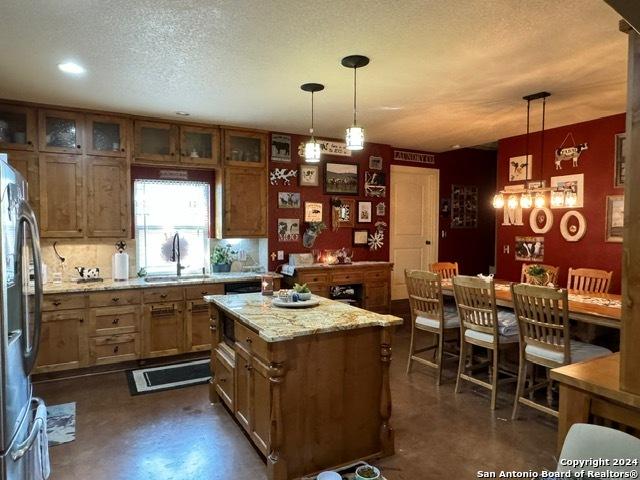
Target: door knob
[{"x": 427, "y": 242}]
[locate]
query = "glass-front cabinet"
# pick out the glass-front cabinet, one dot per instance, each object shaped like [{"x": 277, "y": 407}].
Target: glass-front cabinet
[
  {"x": 199, "y": 145},
  {"x": 244, "y": 148},
  {"x": 17, "y": 127},
  {"x": 155, "y": 141},
  {"x": 107, "y": 136},
  {"x": 60, "y": 131}
]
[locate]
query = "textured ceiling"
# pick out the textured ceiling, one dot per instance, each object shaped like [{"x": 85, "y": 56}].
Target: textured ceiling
[{"x": 442, "y": 72}]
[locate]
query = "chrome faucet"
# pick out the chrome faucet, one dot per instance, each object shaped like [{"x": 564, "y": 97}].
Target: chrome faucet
[{"x": 175, "y": 254}]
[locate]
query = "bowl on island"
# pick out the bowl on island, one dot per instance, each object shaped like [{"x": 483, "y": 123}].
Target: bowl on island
[
  {"x": 367, "y": 472},
  {"x": 304, "y": 296}
]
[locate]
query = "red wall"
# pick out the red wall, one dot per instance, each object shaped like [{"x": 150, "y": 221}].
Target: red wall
[
  {"x": 597, "y": 164},
  {"x": 329, "y": 239}
]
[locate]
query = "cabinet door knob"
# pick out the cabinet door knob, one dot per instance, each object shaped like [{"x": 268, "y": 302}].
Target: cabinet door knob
[
  {"x": 222, "y": 380},
  {"x": 115, "y": 321},
  {"x": 249, "y": 340},
  {"x": 115, "y": 349},
  {"x": 78, "y": 146},
  {"x": 56, "y": 303},
  {"x": 29, "y": 142},
  {"x": 204, "y": 292},
  {"x": 163, "y": 295},
  {"x": 122, "y": 149},
  {"x": 115, "y": 299}
]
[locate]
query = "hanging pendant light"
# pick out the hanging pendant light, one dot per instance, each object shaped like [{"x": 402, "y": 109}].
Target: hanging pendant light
[
  {"x": 355, "y": 134},
  {"x": 498, "y": 200},
  {"x": 312, "y": 150}
]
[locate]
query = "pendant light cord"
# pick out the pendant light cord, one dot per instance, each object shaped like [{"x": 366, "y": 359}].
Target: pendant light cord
[
  {"x": 312, "y": 115},
  {"x": 544, "y": 104},
  {"x": 526, "y": 151},
  {"x": 355, "y": 69}
]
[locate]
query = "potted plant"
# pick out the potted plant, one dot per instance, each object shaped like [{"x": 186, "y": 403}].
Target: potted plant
[
  {"x": 303, "y": 291},
  {"x": 367, "y": 472},
  {"x": 221, "y": 258},
  {"x": 537, "y": 275},
  {"x": 311, "y": 233}
]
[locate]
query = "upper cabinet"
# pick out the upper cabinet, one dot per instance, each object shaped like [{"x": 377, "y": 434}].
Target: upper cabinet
[
  {"x": 244, "y": 148},
  {"x": 17, "y": 127},
  {"x": 107, "y": 136},
  {"x": 60, "y": 131},
  {"x": 244, "y": 203},
  {"x": 27, "y": 164},
  {"x": 107, "y": 197},
  {"x": 200, "y": 146},
  {"x": 155, "y": 141}
]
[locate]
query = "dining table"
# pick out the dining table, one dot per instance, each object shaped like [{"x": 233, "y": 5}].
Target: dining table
[{"x": 604, "y": 309}]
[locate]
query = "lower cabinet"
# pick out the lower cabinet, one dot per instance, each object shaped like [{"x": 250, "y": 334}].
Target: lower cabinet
[
  {"x": 63, "y": 341},
  {"x": 242, "y": 407},
  {"x": 197, "y": 326},
  {"x": 376, "y": 296},
  {"x": 223, "y": 370},
  {"x": 163, "y": 329},
  {"x": 114, "y": 348}
]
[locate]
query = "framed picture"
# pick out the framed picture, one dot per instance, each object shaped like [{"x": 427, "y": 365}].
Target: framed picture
[
  {"x": 520, "y": 168},
  {"x": 341, "y": 178},
  {"x": 309, "y": 175},
  {"x": 288, "y": 229},
  {"x": 360, "y": 237},
  {"x": 344, "y": 215},
  {"x": 381, "y": 209},
  {"x": 364, "y": 212},
  {"x": 615, "y": 218},
  {"x": 464, "y": 206},
  {"x": 620, "y": 159},
  {"x": 530, "y": 249},
  {"x": 375, "y": 163},
  {"x": 445, "y": 207},
  {"x": 573, "y": 183},
  {"x": 374, "y": 184},
  {"x": 288, "y": 200},
  {"x": 280, "y": 148},
  {"x": 312, "y": 211}
]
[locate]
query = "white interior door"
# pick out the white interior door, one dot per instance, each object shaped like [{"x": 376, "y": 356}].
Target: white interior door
[{"x": 414, "y": 222}]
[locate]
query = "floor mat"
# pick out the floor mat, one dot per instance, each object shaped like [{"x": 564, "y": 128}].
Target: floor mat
[{"x": 61, "y": 423}]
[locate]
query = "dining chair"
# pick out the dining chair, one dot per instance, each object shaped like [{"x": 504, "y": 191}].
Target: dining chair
[
  {"x": 543, "y": 319},
  {"x": 483, "y": 325},
  {"x": 589, "y": 280},
  {"x": 551, "y": 271},
  {"x": 428, "y": 315},
  {"x": 447, "y": 270}
]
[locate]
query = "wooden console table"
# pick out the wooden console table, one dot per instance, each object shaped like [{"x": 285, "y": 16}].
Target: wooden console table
[
  {"x": 375, "y": 278},
  {"x": 592, "y": 389}
]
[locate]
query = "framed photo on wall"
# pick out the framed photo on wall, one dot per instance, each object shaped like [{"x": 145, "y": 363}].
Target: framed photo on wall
[
  {"x": 364, "y": 212},
  {"x": 615, "y": 218},
  {"x": 520, "y": 168},
  {"x": 529, "y": 249},
  {"x": 360, "y": 237},
  {"x": 288, "y": 229},
  {"x": 280, "y": 148},
  {"x": 309, "y": 176},
  {"x": 288, "y": 200},
  {"x": 345, "y": 214},
  {"x": 572, "y": 183},
  {"x": 375, "y": 163},
  {"x": 312, "y": 212},
  {"x": 620, "y": 159},
  {"x": 341, "y": 178}
]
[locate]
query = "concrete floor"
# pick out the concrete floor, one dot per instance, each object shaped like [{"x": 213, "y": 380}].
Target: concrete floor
[{"x": 178, "y": 435}]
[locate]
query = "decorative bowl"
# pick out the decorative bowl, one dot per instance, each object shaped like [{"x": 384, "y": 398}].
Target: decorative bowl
[
  {"x": 363, "y": 468},
  {"x": 304, "y": 296}
]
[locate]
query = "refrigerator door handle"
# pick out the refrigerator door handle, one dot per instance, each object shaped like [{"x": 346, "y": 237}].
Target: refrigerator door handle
[
  {"x": 28, "y": 218},
  {"x": 39, "y": 423}
]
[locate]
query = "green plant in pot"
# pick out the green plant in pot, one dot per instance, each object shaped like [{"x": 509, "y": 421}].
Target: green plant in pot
[
  {"x": 367, "y": 472},
  {"x": 311, "y": 233},
  {"x": 222, "y": 258},
  {"x": 302, "y": 290},
  {"x": 537, "y": 275}
]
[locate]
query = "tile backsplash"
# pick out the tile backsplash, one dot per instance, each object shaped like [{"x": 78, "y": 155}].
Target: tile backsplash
[{"x": 98, "y": 253}]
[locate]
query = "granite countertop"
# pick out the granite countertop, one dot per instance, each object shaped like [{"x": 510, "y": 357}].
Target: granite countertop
[
  {"x": 369, "y": 263},
  {"x": 275, "y": 324},
  {"x": 110, "y": 284}
]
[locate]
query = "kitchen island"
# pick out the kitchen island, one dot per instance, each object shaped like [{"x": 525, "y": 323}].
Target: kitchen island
[{"x": 309, "y": 386}]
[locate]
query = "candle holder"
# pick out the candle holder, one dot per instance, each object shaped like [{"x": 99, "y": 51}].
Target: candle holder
[{"x": 267, "y": 285}]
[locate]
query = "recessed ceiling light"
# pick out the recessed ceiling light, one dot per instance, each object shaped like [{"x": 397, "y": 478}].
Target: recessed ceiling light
[
  {"x": 455, "y": 147},
  {"x": 390, "y": 107},
  {"x": 183, "y": 114},
  {"x": 71, "y": 67}
]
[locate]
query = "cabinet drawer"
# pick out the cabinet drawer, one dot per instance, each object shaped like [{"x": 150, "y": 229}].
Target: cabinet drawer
[
  {"x": 313, "y": 278},
  {"x": 63, "y": 302},
  {"x": 251, "y": 341},
  {"x": 321, "y": 289},
  {"x": 343, "y": 278},
  {"x": 377, "y": 275},
  {"x": 223, "y": 378},
  {"x": 114, "y": 320},
  {"x": 114, "y": 298},
  {"x": 172, "y": 294},
  {"x": 114, "y": 348},
  {"x": 199, "y": 291}
]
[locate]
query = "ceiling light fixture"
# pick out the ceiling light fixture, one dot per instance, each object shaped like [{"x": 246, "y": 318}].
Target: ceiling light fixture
[
  {"x": 312, "y": 150},
  {"x": 355, "y": 134},
  {"x": 71, "y": 67},
  {"x": 183, "y": 114}
]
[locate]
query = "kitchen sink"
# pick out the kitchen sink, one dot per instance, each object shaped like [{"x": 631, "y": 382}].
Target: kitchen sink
[{"x": 173, "y": 278}]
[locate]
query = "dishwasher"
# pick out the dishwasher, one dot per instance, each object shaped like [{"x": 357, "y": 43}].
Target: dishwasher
[{"x": 236, "y": 288}]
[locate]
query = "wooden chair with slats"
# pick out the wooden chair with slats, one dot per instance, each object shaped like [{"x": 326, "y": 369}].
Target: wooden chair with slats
[
  {"x": 589, "y": 280},
  {"x": 447, "y": 270},
  {"x": 543, "y": 318},
  {"x": 551, "y": 271},
  {"x": 428, "y": 315},
  {"x": 481, "y": 324}
]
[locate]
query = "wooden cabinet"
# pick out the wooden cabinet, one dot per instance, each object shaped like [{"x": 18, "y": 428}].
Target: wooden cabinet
[
  {"x": 113, "y": 349},
  {"x": 163, "y": 329},
  {"x": 197, "y": 326},
  {"x": 242, "y": 405},
  {"x": 199, "y": 146},
  {"x": 260, "y": 406},
  {"x": 245, "y": 148},
  {"x": 155, "y": 142},
  {"x": 17, "y": 127},
  {"x": 376, "y": 296},
  {"x": 60, "y": 131},
  {"x": 61, "y": 196},
  {"x": 26, "y": 163},
  {"x": 224, "y": 372},
  {"x": 107, "y": 136},
  {"x": 244, "y": 203},
  {"x": 114, "y": 320},
  {"x": 107, "y": 197},
  {"x": 63, "y": 341}
]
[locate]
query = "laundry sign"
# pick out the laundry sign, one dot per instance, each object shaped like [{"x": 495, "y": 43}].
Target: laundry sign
[
  {"x": 329, "y": 148},
  {"x": 174, "y": 175},
  {"x": 404, "y": 156}
]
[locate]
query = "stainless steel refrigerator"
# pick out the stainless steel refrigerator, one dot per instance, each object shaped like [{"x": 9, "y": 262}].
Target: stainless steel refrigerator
[{"x": 23, "y": 449}]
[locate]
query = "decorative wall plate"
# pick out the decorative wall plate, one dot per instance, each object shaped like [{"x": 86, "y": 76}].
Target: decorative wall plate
[
  {"x": 541, "y": 216},
  {"x": 573, "y": 233}
]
